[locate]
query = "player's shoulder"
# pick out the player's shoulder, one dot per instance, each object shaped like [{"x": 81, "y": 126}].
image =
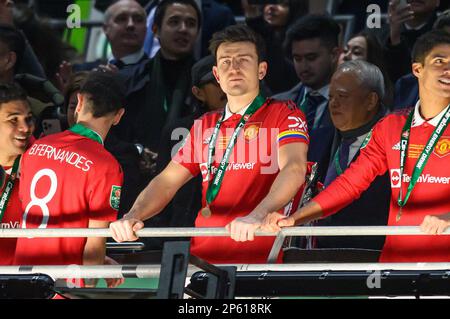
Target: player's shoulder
[
  {"x": 212, "y": 114},
  {"x": 281, "y": 106},
  {"x": 210, "y": 117},
  {"x": 51, "y": 137}
]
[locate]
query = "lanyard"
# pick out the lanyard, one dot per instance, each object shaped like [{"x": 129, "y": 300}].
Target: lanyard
[
  {"x": 215, "y": 184},
  {"x": 9, "y": 188},
  {"x": 424, "y": 156},
  {"x": 337, "y": 156}
]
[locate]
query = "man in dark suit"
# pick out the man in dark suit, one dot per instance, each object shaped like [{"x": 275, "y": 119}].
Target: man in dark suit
[
  {"x": 158, "y": 90},
  {"x": 216, "y": 17},
  {"x": 312, "y": 43},
  {"x": 356, "y": 92},
  {"x": 125, "y": 28}
]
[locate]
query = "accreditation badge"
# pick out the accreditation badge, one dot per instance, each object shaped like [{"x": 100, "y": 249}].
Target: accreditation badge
[{"x": 114, "y": 199}]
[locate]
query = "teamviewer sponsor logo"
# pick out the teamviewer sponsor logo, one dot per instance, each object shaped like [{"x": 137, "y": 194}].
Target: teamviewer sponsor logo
[{"x": 395, "y": 178}]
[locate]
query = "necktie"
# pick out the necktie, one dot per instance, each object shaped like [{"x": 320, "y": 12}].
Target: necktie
[
  {"x": 118, "y": 63},
  {"x": 313, "y": 100},
  {"x": 343, "y": 151}
]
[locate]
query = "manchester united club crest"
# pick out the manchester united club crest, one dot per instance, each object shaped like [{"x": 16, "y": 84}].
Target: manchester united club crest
[
  {"x": 442, "y": 148},
  {"x": 251, "y": 131}
]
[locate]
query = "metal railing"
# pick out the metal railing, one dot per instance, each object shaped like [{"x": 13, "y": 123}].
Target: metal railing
[
  {"x": 154, "y": 271},
  {"x": 222, "y": 232}
]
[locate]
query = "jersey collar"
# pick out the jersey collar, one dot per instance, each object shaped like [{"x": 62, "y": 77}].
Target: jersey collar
[
  {"x": 418, "y": 120},
  {"x": 82, "y": 130},
  {"x": 229, "y": 114}
]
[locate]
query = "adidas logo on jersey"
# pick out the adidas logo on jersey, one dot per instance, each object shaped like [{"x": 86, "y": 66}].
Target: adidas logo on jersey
[{"x": 396, "y": 147}]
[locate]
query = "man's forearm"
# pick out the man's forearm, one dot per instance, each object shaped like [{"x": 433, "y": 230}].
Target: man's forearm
[
  {"x": 284, "y": 188},
  {"x": 311, "y": 211},
  {"x": 151, "y": 200}
]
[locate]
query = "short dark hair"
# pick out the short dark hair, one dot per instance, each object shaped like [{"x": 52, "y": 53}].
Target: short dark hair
[
  {"x": 162, "y": 8},
  {"x": 74, "y": 85},
  {"x": 238, "y": 33},
  {"x": 15, "y": 42},
  {"x": 105, "y": 91},
  {"x": 313, "y": 26},
  {"x": 427, "y": 43},
  {"x": 11, "y": 92}
]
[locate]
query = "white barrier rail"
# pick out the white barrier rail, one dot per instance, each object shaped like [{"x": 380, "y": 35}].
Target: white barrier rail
[
  {"x": 218, "y": 232},
  {"x": 153, "y": 271}
]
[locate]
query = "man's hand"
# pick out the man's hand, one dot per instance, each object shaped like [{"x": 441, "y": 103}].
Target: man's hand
[
  {"x": 63, "y": 75},
  {"x": 275, "y": 221},
  {"x": 243, "y": 228},
  {"x": 112, "y": 282},
  {"x": 397, "y": 15},
  {"x": 108, "y": 68},
  {"x": 125, "y": 229},
  {"x": 147, "y": 163},
  {"x": 435, "y": 225}
]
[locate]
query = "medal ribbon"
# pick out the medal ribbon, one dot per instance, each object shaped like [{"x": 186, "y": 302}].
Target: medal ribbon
[
  {"x": 9, "y": 188},
  {"x": 216, "y": 183},
  {"x": 424, "y": 156}
]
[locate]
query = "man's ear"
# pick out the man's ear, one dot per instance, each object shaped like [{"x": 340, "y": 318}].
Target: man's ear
[
  {"x": 80, "y": 101},
  {"x": 12, "y": 60},
  {"x": 417, "y": 69},
  {"x": 216, "y": 73},
  {"x": 335, "y": 53},
  {"x": 118, "y": 116},
  {"x": 198, "y": 93},
  {"x": 262, "y": 70},
  {"x": 372, "y": 100}
]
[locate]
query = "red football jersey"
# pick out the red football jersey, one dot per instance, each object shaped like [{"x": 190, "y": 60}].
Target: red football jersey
[
  {"x": 66, "y": 180},
  {"x": 11, "y": 219},
  {"x": 430, "y": 195},
  {"x": 250, "y": 173}
]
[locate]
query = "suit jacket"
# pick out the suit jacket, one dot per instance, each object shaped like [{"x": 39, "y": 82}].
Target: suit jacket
[
  {"x": 320, "y": 138},
  {"x": 371, "y": 209}
]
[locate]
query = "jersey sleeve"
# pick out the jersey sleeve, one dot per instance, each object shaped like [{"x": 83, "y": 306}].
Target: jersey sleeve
[
  {"x": 292, "y": 125},
  {"x": 188, "y": 155},
  {"x": 349, "y": 186},
  {"x": 104, "y": 193}
]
